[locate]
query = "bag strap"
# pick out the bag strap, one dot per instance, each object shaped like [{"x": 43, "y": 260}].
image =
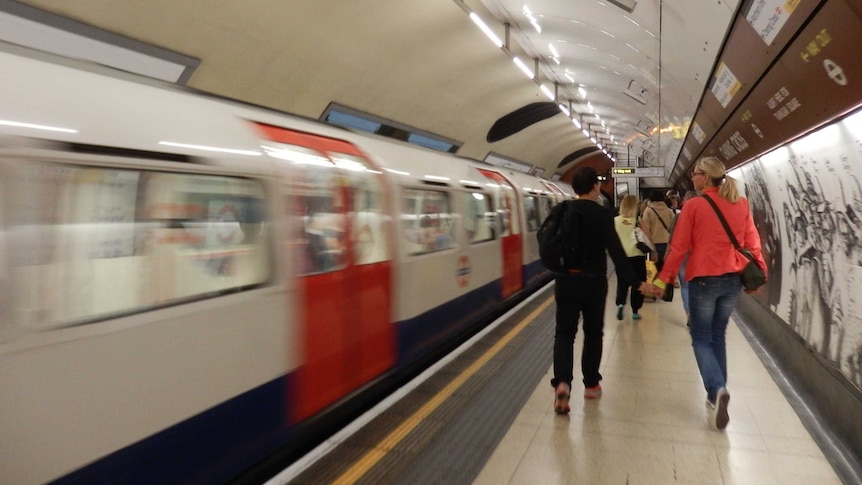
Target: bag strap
[
  {"x": 723, "y": 223},
  {"x": 660, "y": 220}
]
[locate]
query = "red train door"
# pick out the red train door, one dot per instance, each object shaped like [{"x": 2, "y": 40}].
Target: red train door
[
  {"x": 513, "y": 278},
  {"x": 339, "y": 249}
]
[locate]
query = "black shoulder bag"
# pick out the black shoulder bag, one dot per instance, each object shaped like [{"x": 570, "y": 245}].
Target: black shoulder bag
[{"x": 752, "y": 276}]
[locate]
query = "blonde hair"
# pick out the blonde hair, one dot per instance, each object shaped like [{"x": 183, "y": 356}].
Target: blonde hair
[
  {"x": 629, "y": 206},
  {"x": 717, "y": 177}
]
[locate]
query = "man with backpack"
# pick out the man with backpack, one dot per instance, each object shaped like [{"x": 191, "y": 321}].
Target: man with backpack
[{"x": 582, "y": 286}]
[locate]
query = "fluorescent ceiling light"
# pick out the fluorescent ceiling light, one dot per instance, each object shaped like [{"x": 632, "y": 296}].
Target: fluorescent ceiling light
[
  {"x": 484, "y": 27},
  {"x": 435, "y": 177},
  {"x": 576, "y": 122},
  {"x": 523, "y": 67},
  {"x": 32, "y": 126},
  {"x": 553, "y": 49},
  {"x": 547, "y": 91},
  {"x": 582, "y": 92}
]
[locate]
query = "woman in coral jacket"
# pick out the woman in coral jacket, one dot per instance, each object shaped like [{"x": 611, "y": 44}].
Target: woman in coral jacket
[{"x": 712, "y": 271}]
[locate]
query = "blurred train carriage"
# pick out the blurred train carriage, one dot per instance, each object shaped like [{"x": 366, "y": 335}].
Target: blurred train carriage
[{"x": 190, "y": 285}]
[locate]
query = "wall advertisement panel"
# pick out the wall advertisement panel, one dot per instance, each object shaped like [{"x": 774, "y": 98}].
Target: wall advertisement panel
[{"x": 806, "y": 199}]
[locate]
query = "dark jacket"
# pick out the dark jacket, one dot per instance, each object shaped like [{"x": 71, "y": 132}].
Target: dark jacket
[{"x": 599, "y": 235}]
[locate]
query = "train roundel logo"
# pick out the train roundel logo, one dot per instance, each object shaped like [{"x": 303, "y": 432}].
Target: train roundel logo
[{"x": 462, "y": 272}]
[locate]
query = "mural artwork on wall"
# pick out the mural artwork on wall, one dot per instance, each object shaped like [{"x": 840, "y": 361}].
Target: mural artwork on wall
[{"x": 806, "y": 200}]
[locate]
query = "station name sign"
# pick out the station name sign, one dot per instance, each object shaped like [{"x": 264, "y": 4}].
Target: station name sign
[{"x": 637, "y": 171}]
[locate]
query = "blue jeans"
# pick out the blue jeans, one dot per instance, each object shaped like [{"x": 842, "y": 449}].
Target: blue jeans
[
  {"x": 711, "y": 300},
  {"x": 683, "y": 285}
]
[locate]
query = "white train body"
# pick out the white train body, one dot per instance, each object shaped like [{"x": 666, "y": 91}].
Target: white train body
[{"x": 186, "y": 281}]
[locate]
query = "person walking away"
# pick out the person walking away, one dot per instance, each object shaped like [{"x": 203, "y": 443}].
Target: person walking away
[
  {"x": 624, "y": 225},
  {"x": 655, "y": 222},
  {"x": 583, "y": 292},
  {"x": 712, "y": 272}
]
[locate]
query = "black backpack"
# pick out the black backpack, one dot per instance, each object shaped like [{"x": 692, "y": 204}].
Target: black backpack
[{"x": 560, "y": 247}]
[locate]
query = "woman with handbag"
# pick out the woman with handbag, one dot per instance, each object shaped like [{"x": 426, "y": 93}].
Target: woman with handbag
[
  {"x": 713, "y": 270},
  {"x": 626, "y": 225}
]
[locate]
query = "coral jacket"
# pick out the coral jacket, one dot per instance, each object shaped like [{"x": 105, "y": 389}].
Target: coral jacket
[{"x": 700, "y": 235}]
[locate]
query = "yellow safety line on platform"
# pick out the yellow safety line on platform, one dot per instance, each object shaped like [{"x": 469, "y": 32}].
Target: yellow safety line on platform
[{"x": 367, "y": 461}]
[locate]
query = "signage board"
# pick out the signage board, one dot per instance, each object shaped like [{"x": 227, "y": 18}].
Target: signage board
[{"x": 637, "y": 171}]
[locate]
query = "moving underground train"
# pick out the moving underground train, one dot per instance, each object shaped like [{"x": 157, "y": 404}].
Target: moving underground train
[{"x": 189, "y": 285}]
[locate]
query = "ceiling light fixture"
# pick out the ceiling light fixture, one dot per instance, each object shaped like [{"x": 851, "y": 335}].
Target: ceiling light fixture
[
  {"x": 627, "y": 5},
  {"x": 487, "y": 30},
  {"x": 523, "y": 67},
  {"x": 634, "y": 94}
]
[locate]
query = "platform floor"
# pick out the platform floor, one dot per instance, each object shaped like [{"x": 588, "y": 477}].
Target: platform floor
[{"x": 486, "y": 418}]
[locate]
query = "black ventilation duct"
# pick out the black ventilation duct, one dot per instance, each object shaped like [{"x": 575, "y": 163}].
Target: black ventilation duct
[
  {"x": 521, "y": 118},
  {"x": 577, "y": 154}
]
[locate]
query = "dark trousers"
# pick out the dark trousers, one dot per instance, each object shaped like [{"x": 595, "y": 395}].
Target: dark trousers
[
  {"x": 660, "y": 249},
  {"x": 639, "y": 266},
  {"x": 575, "y": 296}
]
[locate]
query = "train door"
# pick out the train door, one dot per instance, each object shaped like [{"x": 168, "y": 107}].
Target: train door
[
  {"x": 513, "y": 279},
  {"x": 339, "y": 246}
]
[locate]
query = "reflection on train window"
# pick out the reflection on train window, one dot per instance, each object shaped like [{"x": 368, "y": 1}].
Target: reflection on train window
[
  {"x": 366, "y": 188},
  {"x": 427, "y": 223},
  {"x": 531, "y": 210},
  {"x": 317, "y": 222},
  {"x": 480, "y": 217},
  {"x": 545, "y": 205},
  {"x": 86, "y": 243}
]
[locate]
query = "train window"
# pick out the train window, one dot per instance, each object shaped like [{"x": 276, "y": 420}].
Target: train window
[
  {"x": 479, "y": 220},
  {"x": 531, "y": 209},
  {"x": 546, "y": 203},
  {"x": 317, "y": 221},
  {"x": 366, "y": 188},
  {"x": 427, "y": 223},
  {"x": 86, "y": 243}
]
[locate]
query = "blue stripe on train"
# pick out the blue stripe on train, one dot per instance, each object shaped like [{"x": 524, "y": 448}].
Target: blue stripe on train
[
  {"x": 424, "y": 333},
  {"x": 212, "y": 447},
  {"x": 535, "y": 273},
  {"x": 220, "y": 443}
]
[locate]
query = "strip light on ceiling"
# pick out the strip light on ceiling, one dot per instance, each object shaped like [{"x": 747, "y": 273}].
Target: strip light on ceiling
[
  {"x": 523, "y": 67},
  {"x": 487, "y": 30}
]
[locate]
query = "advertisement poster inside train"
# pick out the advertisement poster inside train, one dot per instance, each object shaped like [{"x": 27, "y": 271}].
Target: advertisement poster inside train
[{"x": 806, "y": 200}]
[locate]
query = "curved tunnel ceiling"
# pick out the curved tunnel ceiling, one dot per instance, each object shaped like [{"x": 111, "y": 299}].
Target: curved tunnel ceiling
[{"x": 427, "y": 65}]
